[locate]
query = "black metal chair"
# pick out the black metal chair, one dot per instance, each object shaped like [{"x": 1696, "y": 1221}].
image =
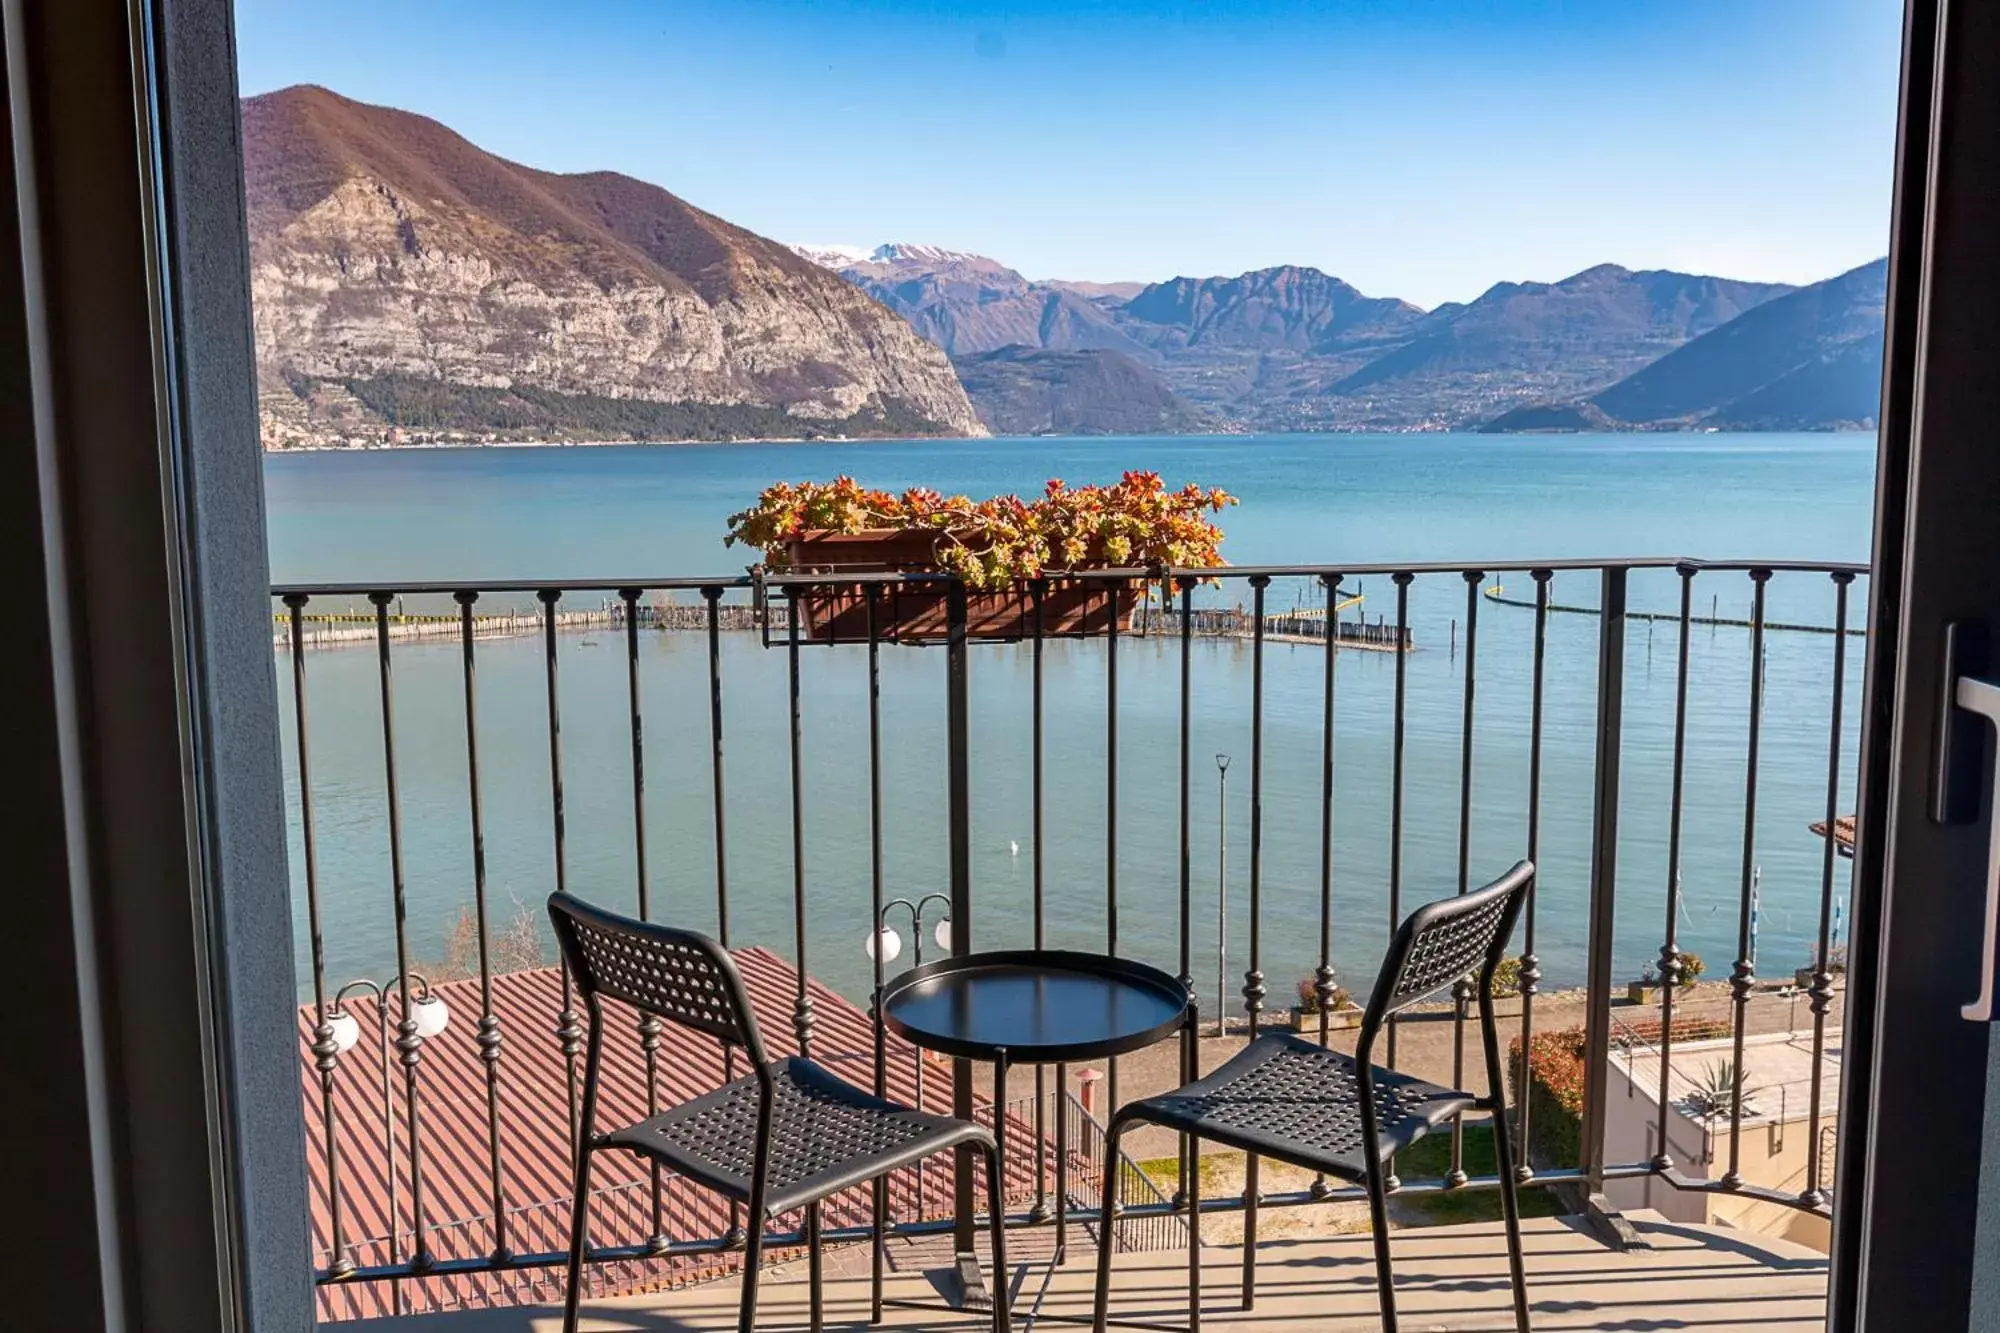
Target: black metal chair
[
  {"x": 781, "y": 1138},
  {"x": 1323, "y": 1110}
]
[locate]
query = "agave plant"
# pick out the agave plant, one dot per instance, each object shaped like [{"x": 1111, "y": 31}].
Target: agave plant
[{"x": 1714, "y": 1096}]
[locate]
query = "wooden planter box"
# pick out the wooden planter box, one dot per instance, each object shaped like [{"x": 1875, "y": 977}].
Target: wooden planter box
[
  {"x": 1648, "y": 992},
  {"x": 916, "y": 612},
  {"x": 1306, "y": 1021}
]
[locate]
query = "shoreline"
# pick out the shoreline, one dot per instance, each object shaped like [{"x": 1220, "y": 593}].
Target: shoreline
[{"x": 434, "y": 445}]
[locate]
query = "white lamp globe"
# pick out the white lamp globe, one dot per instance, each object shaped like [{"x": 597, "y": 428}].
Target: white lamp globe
[
  {"x": 885, "y": 944},
  {"x": 345, "y": 1030},
  {"x": 428, "y": 1012},
  {"x": 943, "y": 934}
]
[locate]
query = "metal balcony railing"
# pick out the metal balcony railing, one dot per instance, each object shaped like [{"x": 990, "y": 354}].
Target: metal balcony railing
[{"x": 1189, "y": 605}]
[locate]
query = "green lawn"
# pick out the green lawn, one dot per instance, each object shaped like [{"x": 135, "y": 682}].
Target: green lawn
[
  {"x": 1428, "y": 1160},
  {"x": 1431, "y": 1158}
]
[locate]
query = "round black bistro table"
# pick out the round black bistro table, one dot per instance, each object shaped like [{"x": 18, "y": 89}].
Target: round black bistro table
[{"x": 1034, "y": 1007}]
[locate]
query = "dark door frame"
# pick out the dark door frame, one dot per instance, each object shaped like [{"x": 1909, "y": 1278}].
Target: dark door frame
[
  {"x": 155, "y": 1170},
  {"x": 1913, "y": 1093}
]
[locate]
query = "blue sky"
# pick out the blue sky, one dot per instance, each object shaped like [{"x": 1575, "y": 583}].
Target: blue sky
[{"x": 1418, "y": 148}]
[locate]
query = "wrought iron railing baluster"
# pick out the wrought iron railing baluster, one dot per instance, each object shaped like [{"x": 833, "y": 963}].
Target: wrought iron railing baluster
[
  {"x": 569, "y": 1026},
  {"x": 1743, "y": 977},
  {"x": 488, "y": 1036},
  {"x": 1323, "y": 975},
  {"x": 1253, "y": 979},
  {"x": 325, "y": 1053},
  {"x": 409, "y": 1044},
  {"x": 878, "y": 1257},
  {"x": 1398, "y": 736},
  {"x": 1670, "y": 950},
  {"x": 1531, "y": 966},
  {"x": 1815, "y": 1193},
  {"x": 650, "y": 1027},
  {"x": 1111, "y": 594},
  {"x": 1462, "y": 990},
  {"x": 711, "y": 596},
  {"x": 1037, "y": 590},
  {"x": 1185, "y": 1148}
]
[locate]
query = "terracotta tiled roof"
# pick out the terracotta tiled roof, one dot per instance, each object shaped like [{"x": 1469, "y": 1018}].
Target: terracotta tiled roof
[{"x": 374, "y": 1160}]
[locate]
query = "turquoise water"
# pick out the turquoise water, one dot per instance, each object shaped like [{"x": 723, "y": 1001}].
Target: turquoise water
[{"x": 627, "y": 514}]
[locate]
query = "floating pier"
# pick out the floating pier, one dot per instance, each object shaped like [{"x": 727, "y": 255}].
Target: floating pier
[{"x": 1496, "y": 593}]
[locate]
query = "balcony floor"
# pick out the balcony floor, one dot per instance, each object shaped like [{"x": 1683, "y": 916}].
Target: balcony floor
[{"x": 1448, "y": 1279}]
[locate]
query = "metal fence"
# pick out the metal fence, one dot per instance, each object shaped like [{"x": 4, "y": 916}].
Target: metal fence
[{"x": 1178, "y": 621}]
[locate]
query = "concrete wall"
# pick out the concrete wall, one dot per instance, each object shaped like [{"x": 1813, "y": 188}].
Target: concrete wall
[{"x": 1772, "y": 1154}]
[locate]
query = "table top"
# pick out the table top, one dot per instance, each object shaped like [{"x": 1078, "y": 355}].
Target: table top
[{"x": 1039, "y": 1006}]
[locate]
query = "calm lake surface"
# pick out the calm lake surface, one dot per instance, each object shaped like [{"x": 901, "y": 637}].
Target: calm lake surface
[{"x": 629, "y": 514}]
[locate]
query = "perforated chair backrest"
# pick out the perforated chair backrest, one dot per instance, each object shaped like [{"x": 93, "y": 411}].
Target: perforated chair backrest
[
  {"x": 682, "y": 976},
  {"x": 1448, "y": 939}
]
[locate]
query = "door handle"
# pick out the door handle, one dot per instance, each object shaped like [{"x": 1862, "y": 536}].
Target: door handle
[{"x": 1981, "y": 697}]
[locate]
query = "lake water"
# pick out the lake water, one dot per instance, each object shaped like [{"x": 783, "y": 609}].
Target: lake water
[{"x": 628, "y": 514}]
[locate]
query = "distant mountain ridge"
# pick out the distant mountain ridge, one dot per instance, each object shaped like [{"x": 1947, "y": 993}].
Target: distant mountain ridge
[
  {"x": 407, "y": 283},
  {"x": 1811, "y": 359},
  {"x": 1295, "y": 348}
]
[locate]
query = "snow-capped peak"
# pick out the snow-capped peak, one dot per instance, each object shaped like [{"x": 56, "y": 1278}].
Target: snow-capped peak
[
  {"x": 832, "y": 256},
  {"x": 904, "y": 252}
]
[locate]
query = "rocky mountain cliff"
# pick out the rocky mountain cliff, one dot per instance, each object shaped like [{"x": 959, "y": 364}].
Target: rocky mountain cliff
[
  {"x": 408, "y": 284},
  {"x": 1808, "y": 360}
]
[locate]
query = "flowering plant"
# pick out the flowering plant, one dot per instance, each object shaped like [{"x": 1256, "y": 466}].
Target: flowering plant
[{"x": 1134, "y": 522}]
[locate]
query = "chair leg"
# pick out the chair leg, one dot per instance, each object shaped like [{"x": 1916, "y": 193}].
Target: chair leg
[
  {"x": 1510, "y": 1210},
  {"x": 1105, "y": 1223},
  {"x": 880, "y": 1250},
  {"x": 815, "y": 1269},
  {"x": 579, "y": 1237},
  {"x": 1250, "y": 1202},
  {"x": 1378, "y": 1220},
  {"x": 753, "y": 1264},
  {"x": 1194, "y": 1234},
  {"x": 996, "y": 1205}
]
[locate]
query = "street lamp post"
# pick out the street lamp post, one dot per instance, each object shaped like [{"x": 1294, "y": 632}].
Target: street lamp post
[
  {"x": 890, "y": 945},
  {"x": 431, "y": 1017},
  {"x": 1221, "y": 888}
]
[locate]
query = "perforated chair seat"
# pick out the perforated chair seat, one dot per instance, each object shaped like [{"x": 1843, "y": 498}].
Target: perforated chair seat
[
  {"x": 826, "y": 1135},
  {"x": 1284, "y": 1097}
]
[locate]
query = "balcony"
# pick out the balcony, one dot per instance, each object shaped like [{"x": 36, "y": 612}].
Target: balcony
[{"x": 1658, "y": 735}]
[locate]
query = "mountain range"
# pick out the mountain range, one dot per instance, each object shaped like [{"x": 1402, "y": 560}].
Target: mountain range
[
  {"x": 410, "y": 286},
  {"x": 407, "y": 284},
  {"x": 1292, "y": 348},
  {"x": 1807, "y": 360}
]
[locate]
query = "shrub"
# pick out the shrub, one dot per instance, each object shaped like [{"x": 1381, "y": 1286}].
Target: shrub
[
  {"x": 1691, "y": 967},
  {"x": 1308, "y": 992},
  {"x": 1506, "y": 978},
  {"x": 1549, "y": 1083}
]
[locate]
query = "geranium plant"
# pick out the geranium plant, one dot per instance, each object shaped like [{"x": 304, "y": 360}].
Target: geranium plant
[{"x": 1134, "y": 522}]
